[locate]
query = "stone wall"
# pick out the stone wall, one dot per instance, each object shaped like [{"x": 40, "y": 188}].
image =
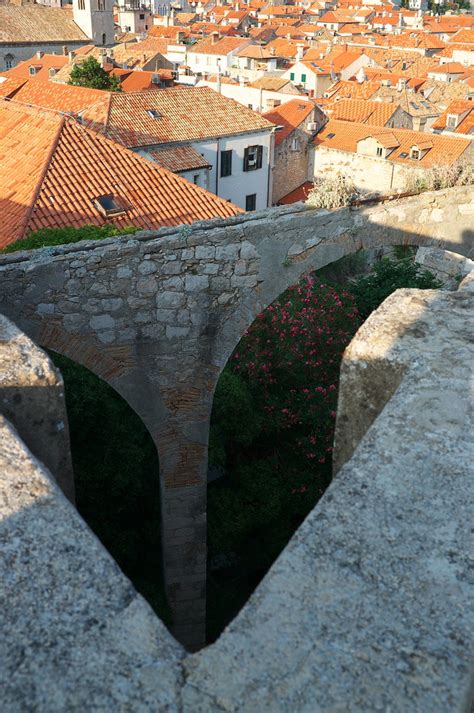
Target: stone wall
[
  {"x": 450, "y": 268},
  {"x": 368, "y": 173},
  {"x": 32, "y": 398},
  {"x": 369, "y": 608},
  {"x": 291, "y": 166},
  {"x": 157, "y": 315}
]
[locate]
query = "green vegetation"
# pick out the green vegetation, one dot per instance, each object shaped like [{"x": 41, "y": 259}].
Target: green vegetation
[
  {"x": 273, "y": 421},
  {"x": 389, "y": 275},
  {"x": 116, "y": 476},
  {"x": 90, "y": 74},
  {"x": 62, "y": 236}
]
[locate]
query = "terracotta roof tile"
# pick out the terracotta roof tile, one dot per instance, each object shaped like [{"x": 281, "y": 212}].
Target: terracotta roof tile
[
  {"x": 465, "y": 111},
  {"x": 344, "y": 135},
  {"x": 42, "y": 66},
  {"x": 179, "y": 158},
  {"x": 222, "y": 47},
  {"x": 38, "y": 24},
  {"x": 65, "y": 98},
  {"x": 362, "y": 111},
  {"x": 185, "y": 114},
  {"x": 53, "y": 168},
  {"x": 299, "y": 194},
  {"x": 289, "y": 115}
]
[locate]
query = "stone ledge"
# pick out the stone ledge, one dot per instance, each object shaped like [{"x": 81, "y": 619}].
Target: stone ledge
[
  {"x": 75, "y": 634},
  {"x": 368, "y": 609},
  {"x": 32, "y": 398}
]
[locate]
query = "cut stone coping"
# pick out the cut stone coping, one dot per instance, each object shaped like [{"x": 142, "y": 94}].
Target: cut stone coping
[{"x": 368, "y": 609}]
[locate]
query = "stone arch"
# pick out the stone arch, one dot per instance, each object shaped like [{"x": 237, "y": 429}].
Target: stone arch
[{"x": 293, "y": 260}]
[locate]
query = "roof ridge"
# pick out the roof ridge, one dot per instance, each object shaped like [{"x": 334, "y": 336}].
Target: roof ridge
[{"x": 44, "y": 172}]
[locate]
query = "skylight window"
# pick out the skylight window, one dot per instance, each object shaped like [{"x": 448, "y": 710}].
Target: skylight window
[
  {"x": 404, "y": 154},
  {"x": 153, "y": 114},
  {"x": 109, "y": 205},
  {"x": 330, "y": 136}
]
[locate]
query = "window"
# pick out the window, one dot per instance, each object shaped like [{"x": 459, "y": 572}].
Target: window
[
  {"x": 330, "y": 136},
  {"x": 253, "y": 158},
  {"x": 226, "y": 163},
  {"x": 32, "y": 71},
  {"x": 101, "y": 5},
  {"x": 452, "y": 121},
  {"x": 250, "y": 106},
  {"x": 251, "y": 201},
  {"x": 303, "y": 78},
  {"x": 142, "y": 17},
  {"x": 9, "y": 61},
  {"x": 108, "y": 205},
  {"x": 295, "y": 144},
  {"x": 104, "y": 38},
  {"x": 153, "y": 114},
  {"x": 292, "y": 76},
  {"x": 81, "y": 4},
  {"x": 415, "y": 154},
  {"x": 196, "y": 179},
  {"x": 379, "y": 151}
]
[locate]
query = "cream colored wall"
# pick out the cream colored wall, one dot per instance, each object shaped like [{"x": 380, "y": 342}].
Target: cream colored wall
[{"x": 368, "y": 173}]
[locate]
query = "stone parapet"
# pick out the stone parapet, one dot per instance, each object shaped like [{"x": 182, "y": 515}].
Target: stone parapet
[{"x": 369, "y": 607}]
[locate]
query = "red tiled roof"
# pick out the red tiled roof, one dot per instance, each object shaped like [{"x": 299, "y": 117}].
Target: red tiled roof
[
  {"x": 346, "y": 134},
  {"x": 367, "y": 112},
  {"x": 42, "y": 65},
  {"x": 65, "y": 98},
  {"x": 222, "y": 47},
  {"x": 458, "y": 108},
  {"x": 53, "y": 168},
  {"x": 185, "y": 114},
  {"x": 179, "y": 158},
  {"x": 289, "y": 115},
  {"x": 299, "y": 194}
]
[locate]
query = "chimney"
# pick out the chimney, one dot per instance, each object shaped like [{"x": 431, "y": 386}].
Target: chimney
[
  {"x": 71, "y": 56},
  {"x": 65, "y": 51},
  {"x": 299, "y": 52},
  {"x": 39, "y": 54},
  {"x": 214, "y": 38},
  {"x": 272, "y": 51}
]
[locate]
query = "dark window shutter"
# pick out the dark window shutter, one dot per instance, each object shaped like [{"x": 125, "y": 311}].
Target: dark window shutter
[
  {"x": 246, "y": 160},
  {"x": 259, "y": 156}
]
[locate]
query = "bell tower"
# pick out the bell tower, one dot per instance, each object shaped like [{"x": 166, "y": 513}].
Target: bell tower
[{"x": 96, "y": 20}]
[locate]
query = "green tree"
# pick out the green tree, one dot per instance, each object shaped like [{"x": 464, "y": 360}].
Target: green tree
[
  {"x": 90, "y": 74},
  {"x": 390, "y": 275}
]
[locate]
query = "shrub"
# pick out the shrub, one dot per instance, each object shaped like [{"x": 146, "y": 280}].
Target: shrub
[
  {"x": 443, "y": 176},
  {"x": 388, "y": 276},
  {"x": 61, "y": 236},
  {"x": 333, "y": 192}
]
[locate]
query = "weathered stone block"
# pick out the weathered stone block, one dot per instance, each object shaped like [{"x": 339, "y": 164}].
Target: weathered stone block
[
  {"x": 169, "y": 300},
  {"x": 195, "y": 283},
  {"x": 102, "y": 321},
  {"x": 146, "y": 285}
]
